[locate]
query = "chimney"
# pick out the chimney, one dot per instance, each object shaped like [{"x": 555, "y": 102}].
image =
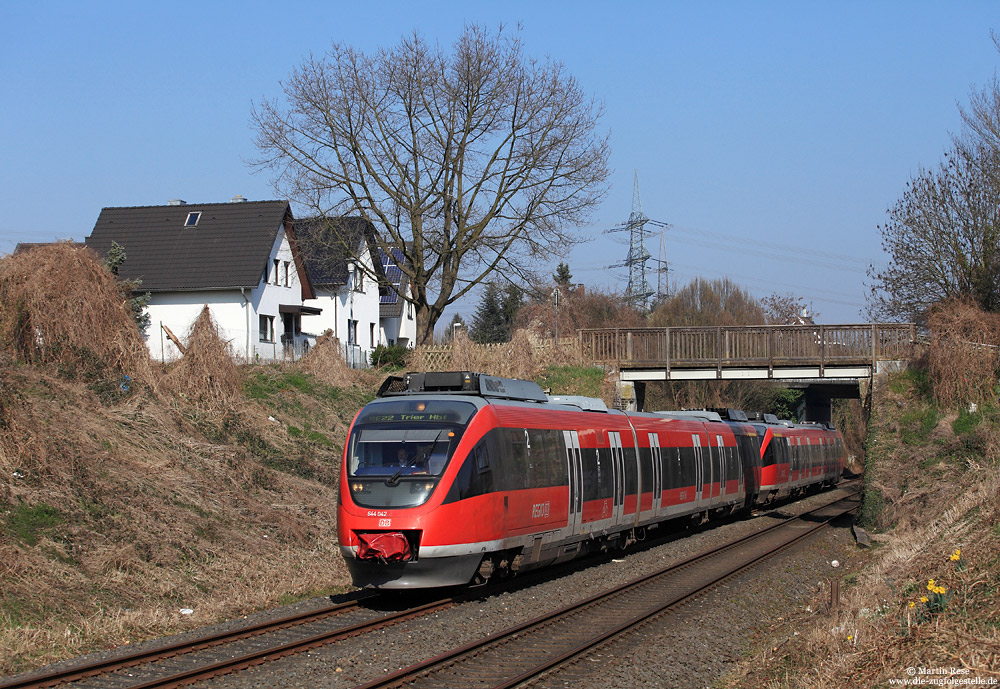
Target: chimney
[
  {"x": 176, "y": 202},
  {"x": 237, "y": 199}
]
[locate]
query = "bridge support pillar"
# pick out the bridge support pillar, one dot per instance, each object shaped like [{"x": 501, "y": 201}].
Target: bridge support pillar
[{"x": 631, "y": 395}]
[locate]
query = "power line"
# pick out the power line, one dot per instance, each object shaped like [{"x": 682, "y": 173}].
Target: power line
[{"x": 776, "y": 246}]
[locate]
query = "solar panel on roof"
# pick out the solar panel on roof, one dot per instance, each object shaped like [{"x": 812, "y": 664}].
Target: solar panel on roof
[{"x": 393, "y": 275}]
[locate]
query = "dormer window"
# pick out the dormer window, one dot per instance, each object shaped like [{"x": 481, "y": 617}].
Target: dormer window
[{"x": 192, "y": 219}]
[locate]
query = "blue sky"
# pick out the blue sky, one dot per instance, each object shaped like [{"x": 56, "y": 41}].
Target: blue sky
[{"x": 772, "y": 135}]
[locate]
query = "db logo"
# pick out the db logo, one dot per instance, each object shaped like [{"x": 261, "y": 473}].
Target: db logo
[{"x": 385, "y": 522}]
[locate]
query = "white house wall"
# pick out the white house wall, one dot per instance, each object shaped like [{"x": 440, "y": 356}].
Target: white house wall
[
  {"x": 402, "y": 330},
  {"x": 235, "y": 313},
  {"x": 267, "y": 297},
  {"x": 349, "y": 304},
  {"x": 179, "y": 310}
]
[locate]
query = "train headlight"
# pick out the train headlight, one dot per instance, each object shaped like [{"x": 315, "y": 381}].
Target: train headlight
[{"x": 357, "y": 487}]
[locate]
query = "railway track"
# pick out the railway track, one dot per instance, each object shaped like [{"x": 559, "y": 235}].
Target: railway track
[
  {"x": 525, "y": 652},
  {"x": 186, "y": 662},
  {"x": 213, "y": 663}
]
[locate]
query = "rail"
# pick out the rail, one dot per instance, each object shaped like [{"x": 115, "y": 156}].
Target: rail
[{"x": 753, "y": 346}]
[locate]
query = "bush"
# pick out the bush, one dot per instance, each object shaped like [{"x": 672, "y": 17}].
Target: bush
[
  {"x": 963, "y": 353},
  {"x": 389, "y": 356}
]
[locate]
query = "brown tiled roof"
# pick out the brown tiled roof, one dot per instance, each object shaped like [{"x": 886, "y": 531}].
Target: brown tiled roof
[
  {"x": 228, "y": 248},
  {"x": 327, "y": 244}
]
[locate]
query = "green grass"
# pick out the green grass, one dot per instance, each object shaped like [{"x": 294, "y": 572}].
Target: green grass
[
  {"x": 916, "y": 425},
  {"x": 966, "y": 422},
  {"x": 266, "y": 382},
  {"x": 30, "y": 524},
  {"x": 912, "y": 379},
  {"x": 573, "y": 380}
]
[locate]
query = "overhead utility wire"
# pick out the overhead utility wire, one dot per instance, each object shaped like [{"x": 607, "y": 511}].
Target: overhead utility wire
[{"x": 777, "y": 246}]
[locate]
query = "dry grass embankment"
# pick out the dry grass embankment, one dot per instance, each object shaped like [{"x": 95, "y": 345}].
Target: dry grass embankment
[
  {"x": 128, "y": 492},
  {"x": 928, "y": 594}
]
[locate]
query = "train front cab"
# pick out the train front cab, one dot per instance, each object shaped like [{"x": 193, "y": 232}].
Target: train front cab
[{"x": 391, "y": 502}]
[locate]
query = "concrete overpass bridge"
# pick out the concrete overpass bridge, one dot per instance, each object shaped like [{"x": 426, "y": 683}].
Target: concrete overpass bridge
[{"x": 827, "y": 361}]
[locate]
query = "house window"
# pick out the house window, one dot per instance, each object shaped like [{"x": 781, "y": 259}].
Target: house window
[
  {"x": 371, "y": 331},
  {"x": 409, "y": 310},
  {"x": 352, "y": 332},
  {"x": 192, "y": 219},
  {"x": 286, "y": 273},
  {"x": 267, "y": 328},
  {"x": 359, "y": 280},
  {"x": 276, "y": 264},
  {"x": 265, "y": 273}
]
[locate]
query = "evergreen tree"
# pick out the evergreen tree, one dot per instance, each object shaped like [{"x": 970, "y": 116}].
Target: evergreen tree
[
  {"x": 137, "y": 302},
  {"x": 457, "y": 325},
  {"x": 562, "y": 276},
  {"x": 488, "y": 324},
  {"x": 510, "y": 304}
]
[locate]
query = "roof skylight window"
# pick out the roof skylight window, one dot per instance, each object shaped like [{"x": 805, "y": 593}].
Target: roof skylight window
[{"x": 192, "y": 219}]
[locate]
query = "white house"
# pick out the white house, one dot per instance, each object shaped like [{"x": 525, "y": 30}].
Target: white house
[
  {"x": 238, "y": 258},
  {"x": 396, "y": 316},
  {"x": 340, "y": 258}
]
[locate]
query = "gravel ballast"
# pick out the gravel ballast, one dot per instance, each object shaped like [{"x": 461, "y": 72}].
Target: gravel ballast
[{"x": 690, "y": 649}]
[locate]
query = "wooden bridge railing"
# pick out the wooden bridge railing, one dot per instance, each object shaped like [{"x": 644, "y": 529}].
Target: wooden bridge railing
[{"x": 755, "y": 346}]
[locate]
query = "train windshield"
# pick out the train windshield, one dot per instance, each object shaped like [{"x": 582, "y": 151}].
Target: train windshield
[{"x": 399, "y": 449}]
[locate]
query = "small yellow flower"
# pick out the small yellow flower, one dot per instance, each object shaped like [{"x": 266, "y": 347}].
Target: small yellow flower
[
  {"x": 850, "y": 637},
  {"x": 956, "y": 556},
  {"x": 939, "y": 589},
  {"x": 924, "y": 599},
  {"x": 930, "y": 584},
  {"x": 912, "y": 604}
]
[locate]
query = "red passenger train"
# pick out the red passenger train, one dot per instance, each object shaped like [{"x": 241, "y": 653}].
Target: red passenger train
[{"x": 450, "y": 478}]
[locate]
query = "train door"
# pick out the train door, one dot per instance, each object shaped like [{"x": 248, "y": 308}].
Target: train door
[
  {"x": 618, "y": 464},
  {"x": 793, "y": 460},
  {"x": 721, "y": 464},
  {"x": 575, "y": 473},
  {"x": 654, "y": 451},
  {"x": 699, "y": 470}
]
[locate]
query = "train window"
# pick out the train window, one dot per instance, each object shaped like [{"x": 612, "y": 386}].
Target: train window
[
  {"x": 516, "y": 475},
  {"x": 475, "y": 476},
  {"x": 687, "y": 477},
  {"x": 482, "y": 456},
  {"x": 733, "y": 472},
  {"x": 597, "y": 474},
  {"x": 631, "y": 473},
  {"x": 399, "y": 450},
  {"x": 646, "y": 469},
  {"x": 547, "y": 451}
]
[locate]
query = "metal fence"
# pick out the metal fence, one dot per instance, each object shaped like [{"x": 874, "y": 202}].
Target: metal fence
[{"x": 755, "y": 346}]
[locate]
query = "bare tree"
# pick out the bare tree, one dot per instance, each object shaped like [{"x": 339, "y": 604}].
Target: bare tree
[
  {"x": 709, "y": 302},
  {"x": 471, "y": 163},
  {"x": 943, "y": 234},
  {"x": 942, "y": 238}
]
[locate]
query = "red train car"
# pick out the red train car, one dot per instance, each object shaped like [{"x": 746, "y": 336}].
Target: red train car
[{"x": 452, "y": 477}]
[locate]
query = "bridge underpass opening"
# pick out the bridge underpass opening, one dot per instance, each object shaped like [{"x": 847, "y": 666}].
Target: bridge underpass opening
[{"x": 816, "y": 405}]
